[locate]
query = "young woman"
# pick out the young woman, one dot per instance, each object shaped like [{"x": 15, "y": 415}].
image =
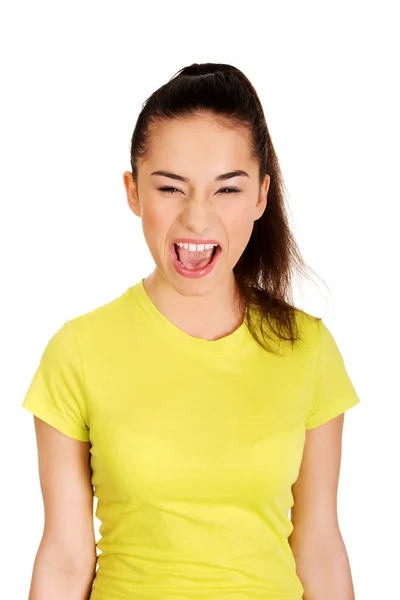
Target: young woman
[{"x": 201, "y": 405}]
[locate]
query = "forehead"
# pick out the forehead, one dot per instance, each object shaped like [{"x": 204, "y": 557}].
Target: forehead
[{"x": 199, "y": 142}]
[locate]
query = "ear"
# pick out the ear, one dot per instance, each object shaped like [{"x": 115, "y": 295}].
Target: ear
[
  {"x": 131, "y": 193},
  {"x": 262, "y": 198}
]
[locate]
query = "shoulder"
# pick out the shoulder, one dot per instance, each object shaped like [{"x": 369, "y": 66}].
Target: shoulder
[
  {"x": 86, "y": 330},
  {"x": 102, "y": 321}
]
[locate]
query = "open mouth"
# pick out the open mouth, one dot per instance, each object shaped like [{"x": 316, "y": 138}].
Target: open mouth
[{"x": 195, "y": 260}]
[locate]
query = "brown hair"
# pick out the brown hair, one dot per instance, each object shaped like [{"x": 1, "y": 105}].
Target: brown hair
[{"x": 265, "y": 269}]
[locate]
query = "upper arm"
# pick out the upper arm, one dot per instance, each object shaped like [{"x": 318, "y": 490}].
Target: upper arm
[
  {"x": 65, "y": 481},
  {"x": 314, "y": 513}
]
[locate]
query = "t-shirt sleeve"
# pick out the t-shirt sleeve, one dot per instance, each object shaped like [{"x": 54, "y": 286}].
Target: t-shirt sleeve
[
  {"x": 333, "y": 391},
  {"x": 57, "y": 391}
]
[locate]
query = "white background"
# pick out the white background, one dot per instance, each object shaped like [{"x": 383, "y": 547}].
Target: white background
[{"x": 74, "y": 76}]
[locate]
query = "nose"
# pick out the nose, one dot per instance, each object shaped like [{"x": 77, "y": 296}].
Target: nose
[{"x": 198, "y": 218}]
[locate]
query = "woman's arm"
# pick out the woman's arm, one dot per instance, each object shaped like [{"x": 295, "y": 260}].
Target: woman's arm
[
  {"x": 321, "y": 559},
  {"x": 65, "y": 563}
]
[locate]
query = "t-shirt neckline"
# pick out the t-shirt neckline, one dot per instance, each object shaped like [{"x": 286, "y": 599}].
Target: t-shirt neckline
[{"x": 177, "y": 336}]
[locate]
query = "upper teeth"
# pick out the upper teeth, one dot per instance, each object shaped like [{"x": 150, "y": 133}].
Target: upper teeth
[{"x": 196, "y": 247}]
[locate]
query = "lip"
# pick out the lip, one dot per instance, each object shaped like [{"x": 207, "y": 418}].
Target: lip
[{"x": 199, "y": 272}]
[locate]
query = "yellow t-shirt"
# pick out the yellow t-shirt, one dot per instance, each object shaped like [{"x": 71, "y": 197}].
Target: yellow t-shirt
[{"x": 195, "y": 445}]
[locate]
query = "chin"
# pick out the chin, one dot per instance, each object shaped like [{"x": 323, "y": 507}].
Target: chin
[{"x": 193, "y": 287}]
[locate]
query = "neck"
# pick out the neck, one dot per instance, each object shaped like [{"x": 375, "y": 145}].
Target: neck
[{"x": 209, "y": 316}]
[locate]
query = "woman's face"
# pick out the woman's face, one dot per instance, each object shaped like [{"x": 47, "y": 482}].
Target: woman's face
[{"x": 202, "y": 202}]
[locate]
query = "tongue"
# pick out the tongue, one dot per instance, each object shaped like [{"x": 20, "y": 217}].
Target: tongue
[{"x": 194, "y": 260}]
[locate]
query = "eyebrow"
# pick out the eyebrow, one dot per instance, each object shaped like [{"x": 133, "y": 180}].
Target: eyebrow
[{"x": 222, "y": 177}]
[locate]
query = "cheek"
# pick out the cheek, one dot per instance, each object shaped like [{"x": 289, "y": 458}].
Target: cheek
[
  {"x": 239, "y": 225},
  {"x": 157, "y": 218}
]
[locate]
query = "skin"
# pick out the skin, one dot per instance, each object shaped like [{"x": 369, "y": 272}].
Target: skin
[
  {"x": 316, "y": 541},
  {"x": 199, "y": 149},
  {"x": 65, "y": 561}
]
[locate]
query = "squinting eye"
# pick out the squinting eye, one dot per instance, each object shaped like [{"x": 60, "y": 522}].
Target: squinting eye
[
  {"x": 170, "y": 190},
  {"x": 230, "y": 190}
]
